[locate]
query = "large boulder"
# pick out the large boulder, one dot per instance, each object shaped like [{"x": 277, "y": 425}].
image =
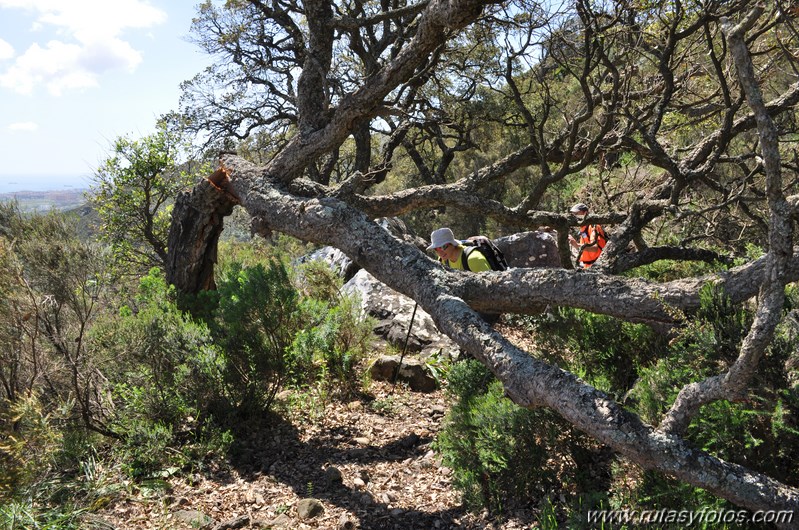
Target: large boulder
[
  {"x": 394, "y": 312},
  {"x": 529, "y": 249},
  {"x": 413, "y": 372},
  {"x": 338, "y": 262}
]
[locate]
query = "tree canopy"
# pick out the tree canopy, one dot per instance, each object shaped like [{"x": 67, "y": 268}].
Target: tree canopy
[{"x": 674, "y": 120}]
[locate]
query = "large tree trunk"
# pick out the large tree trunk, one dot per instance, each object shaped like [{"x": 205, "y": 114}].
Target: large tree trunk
[
  {"x": 528, "y": 381},
  {"x": 197, "y": 222}
]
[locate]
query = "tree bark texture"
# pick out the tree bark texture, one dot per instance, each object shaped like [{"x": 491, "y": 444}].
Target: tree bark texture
[{"x": 194, "y": 234}]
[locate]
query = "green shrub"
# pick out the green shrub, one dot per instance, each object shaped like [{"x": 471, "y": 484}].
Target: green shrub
[
  {"x": 165, "y": 380},
  {"x": 45, "y": 480},
  {"x": 329, "y": 346},
  {"x": 29, "y": 441},
  {"x": 254, "y": 325},
  {"x": 25, "y": 514},
  {"x": 603, "y": 350},
  {"x": 759, "y": 431},
  {"x": 496, "y": 449}
]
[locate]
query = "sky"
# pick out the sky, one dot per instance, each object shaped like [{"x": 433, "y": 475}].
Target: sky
[{"x": 77, "y": 74}]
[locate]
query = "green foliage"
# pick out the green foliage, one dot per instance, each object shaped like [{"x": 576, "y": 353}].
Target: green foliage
[
  {"x": 28, "y": 444},
  {"x": 54, "y": 287},
  {"x": 48, "y": 473},
  {"x": 668, "y": 270},
  {"x": 713, "y": 336},
  {"x": 761, "y": 429},
  {"x": 254, "y": 326},
  {"x": 24, "y": 515},
  {"x": 496, "y": 449},
  {"x": 331, "y": 344},
  {"x": 133, "y": 191},
  {"x": 387, "y": 406},
  {"x": 166, "y": 382},
  {"x": 604, "y": 351},
  {"x": 331, "y": 336}
]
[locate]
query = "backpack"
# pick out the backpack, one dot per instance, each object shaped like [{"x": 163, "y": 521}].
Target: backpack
[{"x": 488, "y": 249}]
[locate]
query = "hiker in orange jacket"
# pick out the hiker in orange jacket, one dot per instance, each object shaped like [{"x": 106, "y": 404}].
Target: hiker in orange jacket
[{"x": 591, "y": 240}]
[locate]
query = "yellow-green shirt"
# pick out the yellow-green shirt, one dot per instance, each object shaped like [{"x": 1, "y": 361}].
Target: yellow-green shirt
[{"x": 477, "y": 262}]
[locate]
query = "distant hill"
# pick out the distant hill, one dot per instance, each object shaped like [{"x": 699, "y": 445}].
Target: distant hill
[
  {"x": 71, "y": 202},
  {"x": 30, "y": 201},
  {"x": 74, "y": 202}
]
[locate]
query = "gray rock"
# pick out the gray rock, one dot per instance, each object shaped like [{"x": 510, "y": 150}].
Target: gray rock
[
  {"x": 309, "y": 508},
  {"x": 96, "y": 522},
  {"x": 336, "y": 259},
  {"x": 233, "y": 524},
  {"x": 394, "y": 312},
  {"x": 333, "y": 475},
  {"x": 344, "y": 523},
  {"x": 281, "y": 521},
  {"x": 412, "y": 371},
  {"x": 195, "y": 518},
  {"x": 530, "y": 249}
]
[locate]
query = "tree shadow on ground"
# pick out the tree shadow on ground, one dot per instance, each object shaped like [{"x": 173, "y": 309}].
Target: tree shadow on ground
[{"x": 272, "y": 447}]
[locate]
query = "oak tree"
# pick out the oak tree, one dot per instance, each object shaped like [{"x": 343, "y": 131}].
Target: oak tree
[{"x": 674, "y": 120}]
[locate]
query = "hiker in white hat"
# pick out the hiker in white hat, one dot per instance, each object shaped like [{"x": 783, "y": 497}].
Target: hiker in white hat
[{"x": 450, "y": 252}]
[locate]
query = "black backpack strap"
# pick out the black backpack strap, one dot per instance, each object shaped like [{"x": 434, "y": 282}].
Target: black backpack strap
[
  {"x": 600, "y": 235},
  {"x": 467, "y": 249}
]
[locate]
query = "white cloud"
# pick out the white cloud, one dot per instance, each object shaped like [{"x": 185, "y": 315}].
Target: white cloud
[
  {"x": 89, "y": 42},
  {"x": 26, "y": 126},
  {"x": 6, "y": 50}
]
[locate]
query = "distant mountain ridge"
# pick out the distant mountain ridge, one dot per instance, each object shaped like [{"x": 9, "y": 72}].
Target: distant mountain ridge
[
  {"x": 63, "y": 199},
  {"x": 31, "y": 183}
]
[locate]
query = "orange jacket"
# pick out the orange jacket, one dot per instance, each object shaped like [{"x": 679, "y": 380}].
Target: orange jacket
[{"x": 590, "y": 234}]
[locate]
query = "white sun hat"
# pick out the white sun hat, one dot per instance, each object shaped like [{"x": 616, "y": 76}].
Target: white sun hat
[{"x": 441, "y": 237}]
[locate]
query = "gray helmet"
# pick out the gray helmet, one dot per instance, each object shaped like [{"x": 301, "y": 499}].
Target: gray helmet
[{"x": 579, "y": 207}]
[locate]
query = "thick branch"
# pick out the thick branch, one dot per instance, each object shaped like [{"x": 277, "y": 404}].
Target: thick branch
[
  {"x": 732, "y": 384},
  {"x": 437, "y": 24}
]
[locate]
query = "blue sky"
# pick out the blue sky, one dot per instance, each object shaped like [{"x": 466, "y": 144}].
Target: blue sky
[{"x": 77, "y": 74}]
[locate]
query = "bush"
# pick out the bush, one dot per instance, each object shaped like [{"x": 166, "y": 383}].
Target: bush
[
  {"x": 255, "y": 321},
  {"x": 497, "y": 450},
  {"x": 28, "y": 444},
  {"x": 166, "y": 382},
  {"x": 603, "y": 350},
  {"x": 759, "y": 430},
  {"x": 334, "y": 336}
]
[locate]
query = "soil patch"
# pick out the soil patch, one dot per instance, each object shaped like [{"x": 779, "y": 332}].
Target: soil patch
[{"x": 369, "y": 463}]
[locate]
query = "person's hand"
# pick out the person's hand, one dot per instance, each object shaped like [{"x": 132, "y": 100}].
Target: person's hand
[{"x": 572, "y": 241}]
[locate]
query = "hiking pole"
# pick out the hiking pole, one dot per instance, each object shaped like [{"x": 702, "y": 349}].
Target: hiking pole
[{"x": 404, "y": 348}]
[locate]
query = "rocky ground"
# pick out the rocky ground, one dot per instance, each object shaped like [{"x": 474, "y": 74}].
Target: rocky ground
[{"x": 363, "y": 464}]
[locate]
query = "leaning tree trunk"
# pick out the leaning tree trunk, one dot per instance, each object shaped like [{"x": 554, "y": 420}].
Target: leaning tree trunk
[{"x": 528, "y": 381}]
